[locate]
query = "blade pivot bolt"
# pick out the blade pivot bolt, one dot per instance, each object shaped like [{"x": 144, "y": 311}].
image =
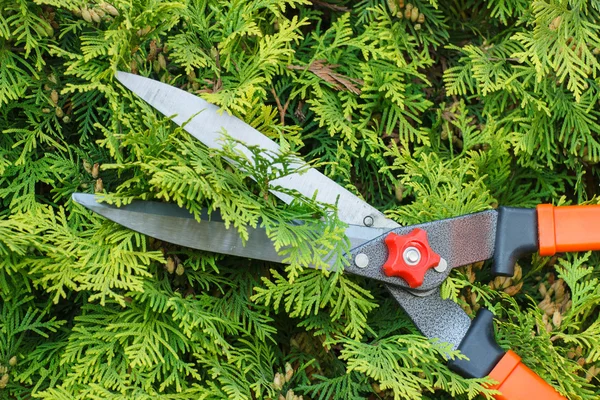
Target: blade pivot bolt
[
  {"x": 361, "y": 260},
  {"x": 410, "y": 257},
  {"x": 368, "y": 221}
]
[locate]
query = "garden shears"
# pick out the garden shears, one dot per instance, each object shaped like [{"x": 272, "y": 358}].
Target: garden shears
[{"x": 411, "y": 261}]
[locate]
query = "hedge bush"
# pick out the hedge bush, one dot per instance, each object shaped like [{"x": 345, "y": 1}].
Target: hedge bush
[{"x": 428, "y": 109}]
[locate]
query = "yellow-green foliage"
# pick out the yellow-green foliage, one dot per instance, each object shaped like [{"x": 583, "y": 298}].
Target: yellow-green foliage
[{"x": 427, "y": 109}]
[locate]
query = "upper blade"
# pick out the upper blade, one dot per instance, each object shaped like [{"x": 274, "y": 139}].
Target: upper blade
[
  {"x": 207, "y": 125},
  {"x": 176, "y": 225}
]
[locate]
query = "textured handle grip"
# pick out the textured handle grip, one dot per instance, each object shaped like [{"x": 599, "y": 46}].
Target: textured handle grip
[
  {"x": 568, "y": 228},
  {"x": 517, "y": 382}
]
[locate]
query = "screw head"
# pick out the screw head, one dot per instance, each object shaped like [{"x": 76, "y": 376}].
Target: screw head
[
  {"x": 361, "y": 260},
  {"x": 442, "y": 266},
  {"x": 411, "y": 255}
]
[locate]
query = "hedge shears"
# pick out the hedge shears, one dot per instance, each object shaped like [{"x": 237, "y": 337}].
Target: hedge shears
[{"x": 411, "y": 261}]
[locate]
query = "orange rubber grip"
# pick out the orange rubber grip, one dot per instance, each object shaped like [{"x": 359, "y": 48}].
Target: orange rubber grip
[
  {"x": 517, "y": 382},
  {"x": 568, "y": 228}
]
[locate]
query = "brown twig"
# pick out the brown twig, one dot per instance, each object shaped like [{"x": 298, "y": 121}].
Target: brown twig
[
  {"x": 282, "y": 109},
  {"x": 333, "y": 7},
  {"x": 326, "y": 72},
  {"x": 219, "y": 82}
]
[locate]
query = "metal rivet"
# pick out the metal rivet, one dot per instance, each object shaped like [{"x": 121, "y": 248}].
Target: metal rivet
[
  {"x": 411, "y": 255},
  {"x": 442, "y": 266},
  {"x": 368, "y": 220},
  {"x": 361, "y": 260}
]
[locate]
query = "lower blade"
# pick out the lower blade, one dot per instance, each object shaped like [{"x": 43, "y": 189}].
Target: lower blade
[{"x": 173, "y": 224}]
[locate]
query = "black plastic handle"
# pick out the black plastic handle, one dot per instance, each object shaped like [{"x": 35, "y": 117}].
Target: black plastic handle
[
  {"x": 479, "y": 345},
  {"x": 516, "y": 236}
]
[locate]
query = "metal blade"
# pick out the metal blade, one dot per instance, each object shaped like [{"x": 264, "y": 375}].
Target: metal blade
[
  {"x": 207, "y": 126},
  {"x": 176, "y": 225}
]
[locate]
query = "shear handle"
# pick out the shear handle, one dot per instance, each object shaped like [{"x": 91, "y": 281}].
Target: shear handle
[
  {"x": 516, "y": 236},
  {"x": 480, "y": 347},
  {"x": 568, "y": 228},
  {"x": 486, "y": 358},
  {"x": 547, "y": 229},
  {"x": 517, "y": 382}
]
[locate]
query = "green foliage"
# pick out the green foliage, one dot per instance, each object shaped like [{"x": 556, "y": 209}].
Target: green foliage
[
  {"x": 402, "y": 365},
  {"x": 530, "y": 331},
  {"x": 470, "y": 106}
]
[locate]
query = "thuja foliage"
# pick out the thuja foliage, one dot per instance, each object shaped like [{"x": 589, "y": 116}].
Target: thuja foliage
[{"x": 427, "y": 109}]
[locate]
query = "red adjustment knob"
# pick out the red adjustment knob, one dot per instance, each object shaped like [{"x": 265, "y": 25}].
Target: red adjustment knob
[{"x": 410, "y": 257}]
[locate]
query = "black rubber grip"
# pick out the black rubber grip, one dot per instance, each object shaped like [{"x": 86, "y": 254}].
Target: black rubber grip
[
  {"x": 479, "y": 345},
  {"x": 516, "y": 236}
]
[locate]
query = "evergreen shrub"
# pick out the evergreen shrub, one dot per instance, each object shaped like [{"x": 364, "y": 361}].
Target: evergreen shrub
[{"x": 427, "y": 109}]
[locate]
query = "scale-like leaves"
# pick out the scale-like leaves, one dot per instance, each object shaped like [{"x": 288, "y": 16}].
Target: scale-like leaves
[{"x": 426, "y": 109}]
